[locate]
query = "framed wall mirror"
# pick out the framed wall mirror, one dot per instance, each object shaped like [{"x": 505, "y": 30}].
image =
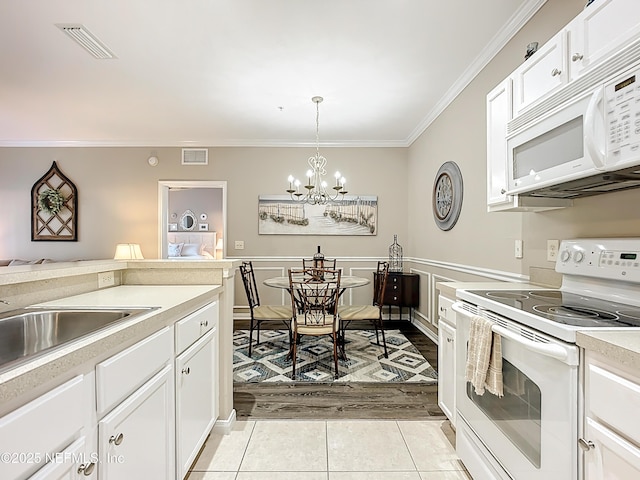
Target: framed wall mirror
[{"x": 188, "y": 220}]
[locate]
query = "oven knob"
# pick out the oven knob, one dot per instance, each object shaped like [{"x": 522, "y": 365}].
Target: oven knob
[
  {"x": 565, "y": 256},
  {"x": 578, "y": 256}
]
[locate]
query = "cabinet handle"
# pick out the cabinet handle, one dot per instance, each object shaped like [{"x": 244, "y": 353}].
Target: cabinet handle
[
  {"x": 186, "y": 371},
  {"x": 116, "y": 439},
  {"x": 576, "y": 57},
  {"x": 86, "y": 470},
  {"x": 555, "y": 72},
  {"x": 503, "y": 191},
  {"x": 449, "y": 340},
  {"x": 585, "y": 445},
  {"x": 204, "y": 323}
]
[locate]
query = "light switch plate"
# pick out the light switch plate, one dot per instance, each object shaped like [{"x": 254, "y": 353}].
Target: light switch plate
[{"x": 518, "y": 249}]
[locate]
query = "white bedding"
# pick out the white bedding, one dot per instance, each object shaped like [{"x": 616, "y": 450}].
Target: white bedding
[{"x": 191, "y": 245}]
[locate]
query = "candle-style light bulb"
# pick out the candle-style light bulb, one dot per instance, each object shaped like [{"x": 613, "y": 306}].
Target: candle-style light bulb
[
  {"x": 337, "y": 175},
  {"x": 297, "y": 184},
  {"x": 290, "y": 179}
]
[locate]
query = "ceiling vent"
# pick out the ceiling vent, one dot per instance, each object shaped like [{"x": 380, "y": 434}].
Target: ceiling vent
[
  {"x": 195, "y": 156},
  {"x": 86, "y": 40}
]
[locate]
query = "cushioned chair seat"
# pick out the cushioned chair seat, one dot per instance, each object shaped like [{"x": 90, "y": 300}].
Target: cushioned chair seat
[
  {"x": 272, "y": 312},
  {"x": 358, "y": 312},
  {"x": 326, "y": 329}
]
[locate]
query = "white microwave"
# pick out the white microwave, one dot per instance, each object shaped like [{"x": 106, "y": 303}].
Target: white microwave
[{"x": 594, "y": 132}]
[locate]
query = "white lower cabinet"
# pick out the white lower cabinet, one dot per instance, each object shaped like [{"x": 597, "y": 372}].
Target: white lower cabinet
[
  {"x": 611, "y": 429},
  {"x": 34, "y": 437},
  {"x": 136, "y": 440},
  {"x": 76, "y": 462},
  {"x": 196, "y": 373},
  {"x": 447, "y": 359},
  {"x": 196, "y": 399}
]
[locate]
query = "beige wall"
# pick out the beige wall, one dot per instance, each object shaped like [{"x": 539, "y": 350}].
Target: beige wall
[
  {"x": 486, "y": 240},
  {"x": 118, "y": 197}
]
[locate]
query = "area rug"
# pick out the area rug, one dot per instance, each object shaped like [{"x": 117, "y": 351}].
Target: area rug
[{"x": 365, "y": 359}]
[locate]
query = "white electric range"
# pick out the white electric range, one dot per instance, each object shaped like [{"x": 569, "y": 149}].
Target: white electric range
[{"x": 532, "y": 432}]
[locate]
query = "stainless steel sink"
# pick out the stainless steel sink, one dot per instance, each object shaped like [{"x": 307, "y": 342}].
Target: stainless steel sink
[{"x": 28, "y": 332}]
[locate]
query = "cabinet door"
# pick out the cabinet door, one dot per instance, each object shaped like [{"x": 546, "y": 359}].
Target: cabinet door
[
  {"x": 599, "y": 31},
  {"x": 498, "y": 114},
  {"x": 136, "y": 440},
  {"x": 76, "y": 462},
  {"x": 447, "y": 370},
  {"x": 610, "y": 455},
  {"x": 196, "y": 398},
  {"x": 541, "y": 74}
]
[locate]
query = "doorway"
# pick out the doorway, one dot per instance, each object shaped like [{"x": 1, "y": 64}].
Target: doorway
[{"x": 212, "y": 213}]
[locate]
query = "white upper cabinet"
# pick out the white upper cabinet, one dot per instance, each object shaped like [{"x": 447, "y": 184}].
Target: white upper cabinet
[
  {"x": 498, "y": 114},
  {"x": 541, "y": 74},
  {"x": 599, "y": 31}
]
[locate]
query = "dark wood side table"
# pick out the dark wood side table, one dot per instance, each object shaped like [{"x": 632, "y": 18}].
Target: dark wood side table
[{"x": 402, "y": 291}]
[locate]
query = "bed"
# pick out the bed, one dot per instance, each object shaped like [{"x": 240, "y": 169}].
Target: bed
[{"x": 191, "y": 245}]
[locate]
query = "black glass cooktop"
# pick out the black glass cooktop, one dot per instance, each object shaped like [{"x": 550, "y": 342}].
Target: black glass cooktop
[{"x": 567, "y": 308}]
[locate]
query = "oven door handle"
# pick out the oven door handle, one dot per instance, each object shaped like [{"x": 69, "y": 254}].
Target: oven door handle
[{"x": 548, "y": 350}]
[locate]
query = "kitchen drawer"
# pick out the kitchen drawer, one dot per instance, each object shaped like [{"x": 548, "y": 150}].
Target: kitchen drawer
[
  {"x": 193, "y": 326},
  {"x": 123, "y": 373},
  {"x": 445, "y": 310},
  {"x": 44, "y": 426},
  {"x": 603, "y": 387}
]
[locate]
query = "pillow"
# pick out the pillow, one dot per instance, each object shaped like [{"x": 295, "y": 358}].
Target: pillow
[
  {"x": 192, "y": 249},
  {"x": 175, "y": 249}
]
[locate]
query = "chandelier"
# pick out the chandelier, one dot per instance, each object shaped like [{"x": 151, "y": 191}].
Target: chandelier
[{"x": 317, "y": 192}]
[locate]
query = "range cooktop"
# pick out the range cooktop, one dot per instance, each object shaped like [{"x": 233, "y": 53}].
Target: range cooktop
[{"x": 566, "y": 308}]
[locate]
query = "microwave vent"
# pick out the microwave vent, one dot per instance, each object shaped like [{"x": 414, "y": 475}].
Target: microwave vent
[
  {"x": 586, "y": 82},
  {"x": 195, "y": 156}
]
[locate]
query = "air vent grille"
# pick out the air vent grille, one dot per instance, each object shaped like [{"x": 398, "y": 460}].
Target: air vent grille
[
  {"x": 88, "y": 41},
  {"x": 195, "y": 156}
]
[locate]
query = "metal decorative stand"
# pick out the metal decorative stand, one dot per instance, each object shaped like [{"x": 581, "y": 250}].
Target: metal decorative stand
[{"x": 395, "y": 256}]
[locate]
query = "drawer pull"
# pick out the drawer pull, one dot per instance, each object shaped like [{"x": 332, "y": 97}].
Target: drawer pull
[
  {"x": 576, "y": 57},
  {"x": 186, "y": 371},
  {"x": 204, "y": 323},
  {"x": 116, "y": 439},
  {"x": 555, "y": 72},
  {"x": 449, "y": 340},
  {"x": 86, "y": 470},
  {"x": 586, "y": 445}
]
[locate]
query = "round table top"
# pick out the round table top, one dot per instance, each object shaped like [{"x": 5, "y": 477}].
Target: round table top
[{"x": 346, "y": 281}]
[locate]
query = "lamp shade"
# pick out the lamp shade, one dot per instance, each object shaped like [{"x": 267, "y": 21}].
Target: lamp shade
[{"x": 128, "y": 251}]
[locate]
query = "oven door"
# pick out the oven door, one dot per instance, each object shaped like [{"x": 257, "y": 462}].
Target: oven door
[{"x": 532, "y": 430}]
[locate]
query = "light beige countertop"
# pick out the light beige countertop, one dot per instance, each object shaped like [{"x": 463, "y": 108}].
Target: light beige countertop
[
  {"x": 174, "y": 302},
  {"x": 621, "y": 346}
]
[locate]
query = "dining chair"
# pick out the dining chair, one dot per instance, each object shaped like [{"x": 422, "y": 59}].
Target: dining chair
[
  {"x": 261, "y": 313},
  {"x": 314, "y": 297},
  {"x": 373, "y": 312}
]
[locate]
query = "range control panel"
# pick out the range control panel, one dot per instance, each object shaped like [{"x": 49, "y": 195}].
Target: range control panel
[{"x": 613, "y": 258}]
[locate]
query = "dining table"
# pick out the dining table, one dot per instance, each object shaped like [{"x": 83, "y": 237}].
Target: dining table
[{"x": 346, "y": 281}]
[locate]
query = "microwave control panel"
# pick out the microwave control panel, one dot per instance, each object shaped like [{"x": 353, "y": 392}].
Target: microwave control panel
[{"x": 622, "y": 103}]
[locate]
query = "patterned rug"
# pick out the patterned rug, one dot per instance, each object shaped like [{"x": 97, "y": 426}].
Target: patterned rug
[{"x": 365, "y": 363}]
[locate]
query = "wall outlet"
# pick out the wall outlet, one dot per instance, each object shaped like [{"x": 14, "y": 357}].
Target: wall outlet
[
  {"x": 552, "y": 250},
  {"x": 518, "y": 249},
  {"x": 239, "y": 245},
  {"x": 106, "y": 279}
]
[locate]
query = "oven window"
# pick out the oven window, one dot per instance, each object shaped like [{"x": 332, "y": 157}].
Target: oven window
[{"x": 517, "y": 414}]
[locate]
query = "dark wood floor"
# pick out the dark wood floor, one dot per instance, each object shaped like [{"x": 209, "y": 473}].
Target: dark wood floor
[{"x": 343, "y": 401}]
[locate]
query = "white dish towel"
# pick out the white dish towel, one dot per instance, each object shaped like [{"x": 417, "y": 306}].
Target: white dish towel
[{"x": 484, "y": 357}]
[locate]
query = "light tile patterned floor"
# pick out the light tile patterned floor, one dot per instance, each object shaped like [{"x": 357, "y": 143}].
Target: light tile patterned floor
[{"x": 330, "y": 450}]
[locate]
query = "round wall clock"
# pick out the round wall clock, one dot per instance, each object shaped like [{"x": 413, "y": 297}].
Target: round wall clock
[{"x": 447, "y": 195}]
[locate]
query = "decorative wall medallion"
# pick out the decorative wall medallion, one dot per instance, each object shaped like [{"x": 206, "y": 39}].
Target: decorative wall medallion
[
  {"x": 54, "y": 207},
  {"x": 447, "y": 195}
]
